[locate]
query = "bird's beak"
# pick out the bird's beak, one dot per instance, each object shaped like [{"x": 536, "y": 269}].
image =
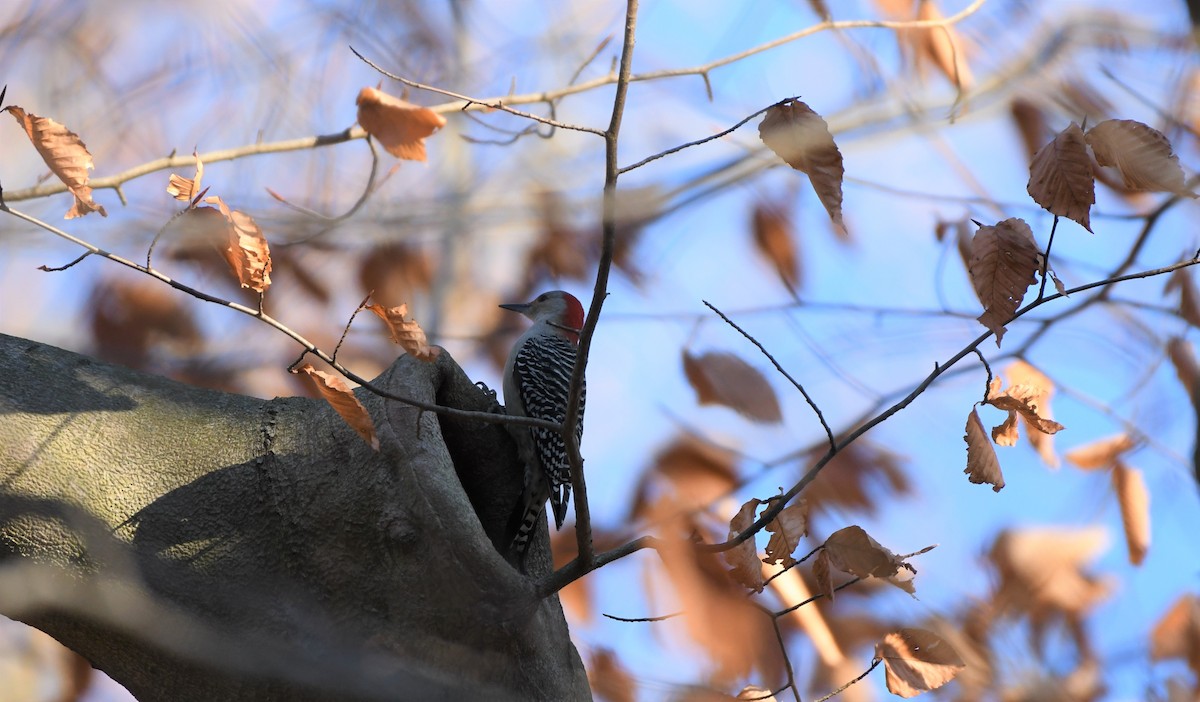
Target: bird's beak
[{"x": 521, "y": 307}]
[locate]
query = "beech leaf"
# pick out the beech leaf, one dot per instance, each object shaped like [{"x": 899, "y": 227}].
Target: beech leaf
[
  {"x": 1004, "y": 259},
  {"x": 943, "y": 46},
  {"x": 1021, "y": 373},
  {"x": 1102, "y": 453},
  {"x": 1020, "y": 400},
  {"x": 1060, "y": 177},
  {"x": 982, "y": 464},
  {"x": 786, "y": 531},
  {"x": 800, "y": 137},
  {"x": 342, "y": 399},
  {"x": 724, "y": 379},
  {"x": 186, "y": 189},
  {"x": 852, "y": 550},
  {"x": 400, "y": 126},
  {"x": 245, "y": 248},
  {"x": 743, "y": 558},
  {"x": 66, "y": 155},
  {"x": 1134, "y": 499},
  {"x": 405, "y": 332},
  {"x": 823, "y": 574},
  {"x": 917, "y": 661},
  {"x": 1189, "y": 300},
  {"x": 775, "y": 239},
  {"x": 1140, "y": 153}
]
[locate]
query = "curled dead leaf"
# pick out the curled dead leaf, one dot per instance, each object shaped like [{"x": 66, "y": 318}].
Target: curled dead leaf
[
  {"x": 1041, "y": 391},
  {"x": 342, "y": 399},
  {"x": 400, "y": 126},
  {"x": 186, "y": 189},
  {"x": 66, "y": 155},
  {"x": 916, "y": 661},
  {"x": 405, "y": 332},
  {"x": 786, "y": 530},
  {"x": 800, "y": 137},
  {"x": 1020, "y": 400},
  {"x": 245, "y": 248},
  {"x": 852, "y": 550},
  {"x": 743, "y": 558},
  {"x": 982, "y": 464}
]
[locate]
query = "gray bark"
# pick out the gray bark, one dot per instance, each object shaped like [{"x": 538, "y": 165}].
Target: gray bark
[{"x": 198, "y": 545}]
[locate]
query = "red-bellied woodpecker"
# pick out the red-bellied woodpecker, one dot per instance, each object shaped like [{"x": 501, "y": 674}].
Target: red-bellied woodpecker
[{"x": 537, "y": 380}]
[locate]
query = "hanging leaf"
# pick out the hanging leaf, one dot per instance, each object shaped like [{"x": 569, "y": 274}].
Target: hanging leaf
[
  {"x": 400, "y": 126},
  {"x": 405, "y": 332},
  {"x": 823, "y": 574},
  {"x": 786, "y": 530},
  {"x": 743, "y": 558},
  {"x": 916, "y": 661},
  {"x": 982, "y": 464},
  {"x": 65, "y": 154},
  {"x": 245, "y": 248},
  {"x": 1189, "y": 300},
  {"x": 342, "y": 399},
  {"x": 1041, "y": 390},
  {"x": 1060, "y": 177},
  {"x": 1134, "y": 499},
  {"x": 942, "y": 46},
  {"x": 852, "y": 550},
  {"x": 776, "y": 241},
  {"x": 186, "y": 189},
  {"x": 1004, "y": 259},
  {"x": 724, "y": 379},
  {"x": 1141, "y": 154},
  {"x": 1019, "y": 400},
  {"x": 801, "y": 138}
]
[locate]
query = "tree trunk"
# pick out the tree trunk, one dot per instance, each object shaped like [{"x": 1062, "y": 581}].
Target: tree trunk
[{"x": 198, "y": 545}]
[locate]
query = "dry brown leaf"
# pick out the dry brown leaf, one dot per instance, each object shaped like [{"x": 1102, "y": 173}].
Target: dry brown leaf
[
  {"x": 852, "y": 550},
  {"x": 393, "y": 271},
  {"x": 1004, "y": 259},
  {"x": 917, "y": 660},
  {"x": 1041, "y": 569},
  {"x": 245, "y": 248},
  {"x": 131, "y": 320},
  {"x": 982, "y": 464},
  {"x": 724, "y": 379},
  {"x": 943, "y": 46},
  {"x": 1134, "y": 499},
  {"x": 405, "y": 332},
  {"x": 400, "y": 126},
  {"x": 1060, "y": 177},
  {"x": 1102, "y": 453},
  {"x": 823, "y": 575},
  {"x": 697, "y": 473},
  {"x": 1031, "y": 123},
  {"x": 1020, "y": 400},
  {"x": 342, "y": 399},
  {"x": 1189, "y": 299},
  {"x": 1186, "y": 367},
  {"x": 786, "y": 531},
  {"x": 1024, "y": 374},
  {"x": 1005, "y": 433},
  {"x": 743, "y": 558},
  {"x": 608, "y": 677},
  {"x": 801, "y": 137},
  {"x": 1141, "y": 154},
  {"x": 1177, "y": 633},
  {"x": 66, "y": 155},
  {"x": 186, "y": 189},
  {"x": 754, "y": 693},
  {"x": 858, "y": 478},
  {"x": 775, "y": 239}
]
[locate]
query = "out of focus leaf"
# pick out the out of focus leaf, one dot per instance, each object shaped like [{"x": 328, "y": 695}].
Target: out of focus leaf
[
  {"x": 1189, "y": 299},
  {"x": 743, "y": 558},
  {"x": 1134, "y": 499},
  {"x": 942, "y": 46},
  {"x": 342, "y": 399},
  {"x": 800, "y": 137},
  {"x": 775, "y": 240},
  {"x": 724, "y": 379},
  {"x": 608, "y": 677},
  {"x": 66, "y": 155},
  {"x": 1103, "y": 453},
  {"x": 400, "y": 126},
  {"x": 917, "y": 660}
]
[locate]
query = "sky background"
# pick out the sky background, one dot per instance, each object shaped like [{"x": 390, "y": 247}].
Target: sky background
[{"x": 162, "y": 78}]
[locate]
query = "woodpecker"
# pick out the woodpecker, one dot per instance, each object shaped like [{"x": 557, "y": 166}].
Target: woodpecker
[{"x": 537, "y": 380}]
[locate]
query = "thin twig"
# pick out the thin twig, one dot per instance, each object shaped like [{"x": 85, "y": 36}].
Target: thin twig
[
  {"x": 705, "y": 140},
  {"x": 368, "y": 190},
  {"x": 489, "y": 103},
  {"x": 987, "y": 387},
  {"x": 660, "y": 618},
  {"x": 55, "y": 269},
  {"x": 874, "y": 663},
  {"x": 811, "y": 403},
  {"x": 1046, "y": 257}
]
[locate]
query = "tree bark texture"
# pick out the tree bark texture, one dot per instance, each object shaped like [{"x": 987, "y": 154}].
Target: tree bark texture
[{"x": 199, "y": 545}]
